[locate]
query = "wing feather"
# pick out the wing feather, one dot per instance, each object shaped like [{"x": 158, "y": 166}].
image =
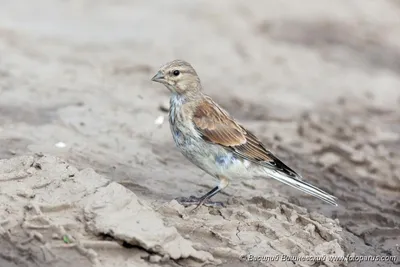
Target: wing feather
[{"x": 216, "y": 126}]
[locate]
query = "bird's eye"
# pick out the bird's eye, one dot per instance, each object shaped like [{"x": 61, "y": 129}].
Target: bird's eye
[{"x": 176, "y": 72}]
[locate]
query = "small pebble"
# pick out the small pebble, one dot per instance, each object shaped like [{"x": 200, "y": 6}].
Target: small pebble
[
  {"x": 60, "y": 145},
  {"x": 26, "y": 193},
  {"x": 358, "y": 157},
  {"x": 159, "y": 120},
  {"x": 55, "y": 236},
  {"x": 329, "y": 159},
  {"x": 155, "y": 258},
  {"x": 164, "y": 106}
]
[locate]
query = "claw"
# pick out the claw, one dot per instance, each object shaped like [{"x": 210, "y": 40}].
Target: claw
[{"x": 192, "y": 200}]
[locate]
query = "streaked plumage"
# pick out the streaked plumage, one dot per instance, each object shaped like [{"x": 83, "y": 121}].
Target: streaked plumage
[{"x": 211, "y": 139}]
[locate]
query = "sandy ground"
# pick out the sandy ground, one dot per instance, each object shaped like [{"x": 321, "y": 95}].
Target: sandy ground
[{"x": 316, "y": 80}]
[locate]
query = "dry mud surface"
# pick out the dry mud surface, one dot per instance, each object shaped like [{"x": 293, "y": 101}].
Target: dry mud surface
[{"x": 88, "y": 177}]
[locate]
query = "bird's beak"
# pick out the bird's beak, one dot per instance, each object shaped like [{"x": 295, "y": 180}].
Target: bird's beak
[{"x": 159, "y": 77}]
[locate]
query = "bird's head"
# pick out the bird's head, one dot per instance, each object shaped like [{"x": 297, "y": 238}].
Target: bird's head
[{"x": 179, "y": 77}]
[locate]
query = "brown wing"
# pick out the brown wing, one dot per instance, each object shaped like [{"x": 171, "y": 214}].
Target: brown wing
[{"x": 216, "y": 126}]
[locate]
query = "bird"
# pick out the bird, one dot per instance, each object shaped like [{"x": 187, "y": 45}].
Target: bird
[{"x": 209, "y": 137}]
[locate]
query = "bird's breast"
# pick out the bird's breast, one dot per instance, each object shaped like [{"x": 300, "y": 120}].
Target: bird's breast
[
  {"x": 175, "y": 108},
  {"x": 180, "y": 128}
]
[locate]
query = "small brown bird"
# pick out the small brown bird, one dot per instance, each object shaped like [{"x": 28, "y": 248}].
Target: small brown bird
[{"x": 212, "y": 139}]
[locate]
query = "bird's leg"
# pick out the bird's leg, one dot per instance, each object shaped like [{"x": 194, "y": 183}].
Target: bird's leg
[{"x": 205, "y": 199}]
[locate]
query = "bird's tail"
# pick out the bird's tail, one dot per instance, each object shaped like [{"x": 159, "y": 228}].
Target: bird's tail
[{"x": 303, "y": 186}]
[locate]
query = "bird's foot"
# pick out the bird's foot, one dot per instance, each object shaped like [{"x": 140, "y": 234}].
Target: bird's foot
[{"x": 198, "y": 201}]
